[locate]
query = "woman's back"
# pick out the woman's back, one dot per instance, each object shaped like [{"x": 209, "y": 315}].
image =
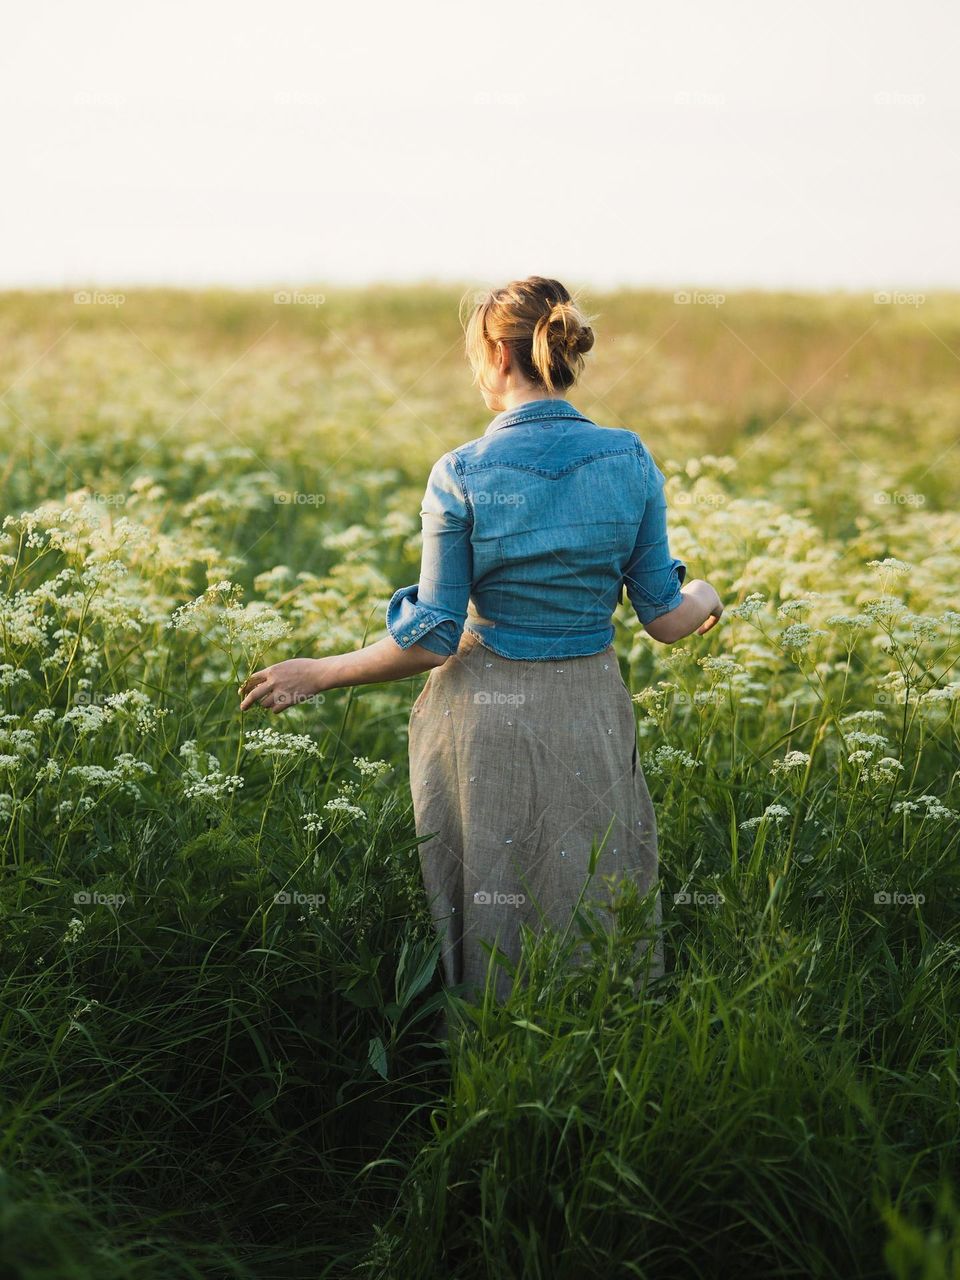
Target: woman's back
[{"x": 532, "y": 530}]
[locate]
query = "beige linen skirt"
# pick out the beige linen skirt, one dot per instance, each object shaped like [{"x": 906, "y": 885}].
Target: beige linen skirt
[{"x": 516, "y": 767}]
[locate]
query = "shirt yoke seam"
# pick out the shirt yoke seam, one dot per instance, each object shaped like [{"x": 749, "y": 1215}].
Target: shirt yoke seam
[{"x": 477, "y": 467}]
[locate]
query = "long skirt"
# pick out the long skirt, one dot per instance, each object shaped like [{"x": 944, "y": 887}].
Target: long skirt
[{"x": 516, "y": 768}]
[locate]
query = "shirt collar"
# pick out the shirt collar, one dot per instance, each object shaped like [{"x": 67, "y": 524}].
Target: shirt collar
[{"x": 533, "y": 411}]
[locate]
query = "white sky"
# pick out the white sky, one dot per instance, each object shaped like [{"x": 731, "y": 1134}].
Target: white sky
[{"x": 716, "y": 143}]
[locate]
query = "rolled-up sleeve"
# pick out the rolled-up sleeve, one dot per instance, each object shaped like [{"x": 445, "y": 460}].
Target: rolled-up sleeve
[
  {"x": 432, "y": 612},
  {"x": 653, "y": 577}
]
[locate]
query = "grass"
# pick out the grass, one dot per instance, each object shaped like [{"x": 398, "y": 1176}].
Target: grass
[{"x": 219, "y": 1050}]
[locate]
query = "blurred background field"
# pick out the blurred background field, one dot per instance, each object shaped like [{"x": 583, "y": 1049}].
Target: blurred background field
[{"x": 201, "y": 1079}]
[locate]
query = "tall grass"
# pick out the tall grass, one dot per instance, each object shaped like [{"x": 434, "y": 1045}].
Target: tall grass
[{"x": 220, "y": 1051}]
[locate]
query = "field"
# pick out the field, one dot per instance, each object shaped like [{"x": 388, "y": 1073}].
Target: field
[{"x": 203, "y": 1078}]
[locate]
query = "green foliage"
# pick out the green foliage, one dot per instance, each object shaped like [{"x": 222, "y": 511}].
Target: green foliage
[{"x": 224, "y": 1046}]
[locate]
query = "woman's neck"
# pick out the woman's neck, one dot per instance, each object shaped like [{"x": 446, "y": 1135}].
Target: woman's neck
[{"x": 513, "y": 399}]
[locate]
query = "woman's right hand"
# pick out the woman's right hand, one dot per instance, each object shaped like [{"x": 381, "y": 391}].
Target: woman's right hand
[{"x": 713, "y": 602}]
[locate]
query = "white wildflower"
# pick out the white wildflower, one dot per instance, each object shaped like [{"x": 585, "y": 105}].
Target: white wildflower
[
  {"x": 654, "y": 698},
  {"x": 794, "y": 608},
  {"x": 340, "y": 804},
  {"x": 942, "y": 693},
  {"x": 87, "y": 718},
  {"x": 854, "y": 623},
  {"x": 885, "y": 769},
  {"x": 275, "y": 745},
  {"x": 885, "y": 609},
  {"x": 74, "y": 929},
  {"x": 721, "y": 667},
  {"x": 890, "y": 565},
  {"x": 792, "y": 760},
  {"x": 749, "y": 607},
  {"x": 798, "y": 636},
  {"x": 867, "y": 741},
  {"x": 773, "y": 812},
  {"x": 10, "y": 676},
  {"x": 929, "y": 806},
  {"x": 668, "y": 760},
  {"x": 204, "y": 779},
  {"x": 371, "y": 768}
]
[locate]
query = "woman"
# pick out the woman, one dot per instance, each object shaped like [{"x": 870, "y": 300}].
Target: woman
[{"x": 522, "y": 743}]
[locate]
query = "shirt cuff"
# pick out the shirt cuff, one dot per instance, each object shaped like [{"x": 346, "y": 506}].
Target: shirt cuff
[
  {"x": 410, "y": 622},
  {"x": 674, "y": 579}
]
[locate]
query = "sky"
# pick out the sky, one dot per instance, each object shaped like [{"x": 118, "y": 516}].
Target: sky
[{"x": 722, "y": 144}]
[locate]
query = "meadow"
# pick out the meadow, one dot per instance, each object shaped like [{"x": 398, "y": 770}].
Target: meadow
[{"x": 218, "y": 977}]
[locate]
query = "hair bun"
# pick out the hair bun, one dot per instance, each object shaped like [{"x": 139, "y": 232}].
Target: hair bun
[{"x": 567, "y": 330}]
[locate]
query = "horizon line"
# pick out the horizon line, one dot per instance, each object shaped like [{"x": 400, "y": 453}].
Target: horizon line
[{"x": 448, "y": 284}]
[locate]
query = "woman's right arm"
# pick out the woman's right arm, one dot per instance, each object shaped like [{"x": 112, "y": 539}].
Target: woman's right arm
[
  {"x": 699, "y": 611},
  {"x": 667, "y": 609}
]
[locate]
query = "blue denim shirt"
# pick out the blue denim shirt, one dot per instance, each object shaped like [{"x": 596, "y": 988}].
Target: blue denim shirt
[{"x": 532, "y": 532}]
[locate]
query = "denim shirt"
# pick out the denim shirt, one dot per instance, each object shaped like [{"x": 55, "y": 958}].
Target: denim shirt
[{"x": 531, "y": 534}]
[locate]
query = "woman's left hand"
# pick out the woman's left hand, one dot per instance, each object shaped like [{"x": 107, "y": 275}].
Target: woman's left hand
[{"x": 283, "y": 685}]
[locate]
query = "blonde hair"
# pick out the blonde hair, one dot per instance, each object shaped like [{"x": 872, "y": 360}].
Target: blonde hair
[{"x": 547, "y": 333}]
